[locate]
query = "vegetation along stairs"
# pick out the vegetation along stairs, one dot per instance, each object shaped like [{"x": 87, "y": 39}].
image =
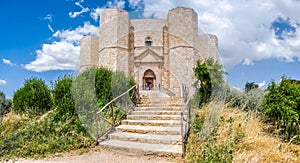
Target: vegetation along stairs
[{"x": 153, "y": 127}]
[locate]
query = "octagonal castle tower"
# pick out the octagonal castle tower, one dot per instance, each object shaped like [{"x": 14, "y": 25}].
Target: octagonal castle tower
[{"x": 158, "y": 53}]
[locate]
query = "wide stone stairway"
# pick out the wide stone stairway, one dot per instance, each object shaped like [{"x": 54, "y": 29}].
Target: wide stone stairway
[{"x": 153, "y": 127}]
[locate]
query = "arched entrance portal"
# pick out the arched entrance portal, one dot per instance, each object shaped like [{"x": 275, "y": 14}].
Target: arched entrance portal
[{"x": 149, "y": 79}]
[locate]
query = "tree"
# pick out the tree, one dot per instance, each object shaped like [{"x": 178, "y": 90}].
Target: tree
[
  {"x": 33, "y": 98},
  {"x": 250, "y": 85},
  {"x": 210, "y": 79},
  {"x": 5, "y": 104},
  {"x": 281, "y": 106}
]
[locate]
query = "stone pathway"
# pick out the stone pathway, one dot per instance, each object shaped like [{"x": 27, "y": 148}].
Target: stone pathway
[{"x": 102, "y": 156}]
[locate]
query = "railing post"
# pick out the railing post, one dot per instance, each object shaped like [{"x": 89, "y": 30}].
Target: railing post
[
  {"x": 182, "y": 134},
  {"x": 97, "y": 128}
]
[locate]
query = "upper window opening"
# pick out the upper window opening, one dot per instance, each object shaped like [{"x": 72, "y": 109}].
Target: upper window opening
[{"x": 148, "y": 41}]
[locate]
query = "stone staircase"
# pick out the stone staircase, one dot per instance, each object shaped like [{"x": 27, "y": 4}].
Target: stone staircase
[{"x": 154, "y": 127}]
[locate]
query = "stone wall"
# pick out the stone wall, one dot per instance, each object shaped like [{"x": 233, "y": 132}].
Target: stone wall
[
  {"x": 176, "y": 46},
  {"x": 89, "y": 56},
  {"x": 113, "y": 39},
  {"x": 208, "y": 46}
]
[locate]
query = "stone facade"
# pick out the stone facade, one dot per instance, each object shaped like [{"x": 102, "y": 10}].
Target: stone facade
[{"x": 158, "y": 53}]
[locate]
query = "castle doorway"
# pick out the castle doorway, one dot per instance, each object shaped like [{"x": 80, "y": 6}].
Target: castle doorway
[{"x": 149, "y": 79}]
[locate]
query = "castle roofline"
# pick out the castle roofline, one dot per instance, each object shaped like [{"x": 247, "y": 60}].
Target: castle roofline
[{"x": 182, "y": 8}]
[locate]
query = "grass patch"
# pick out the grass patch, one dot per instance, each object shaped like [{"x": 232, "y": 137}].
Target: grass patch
[
  {"x": 221, "y": 143},
  {"x": 24, "y": 137},
  {"x": 239, "y": 137}
]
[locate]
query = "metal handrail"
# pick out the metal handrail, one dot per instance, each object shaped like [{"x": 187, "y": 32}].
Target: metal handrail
[
  {"x": 98, "y": 115},
  {"x": 185, "y": 128},
  {"x": 109, "y": 103}
]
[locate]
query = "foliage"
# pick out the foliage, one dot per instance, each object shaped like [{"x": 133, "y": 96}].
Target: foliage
[
  {"x": 248, "y": 101},
  {"x": 213, "y": 149},
  {"x": 56, "y": 131},
  {"x": 41, "y": 137},
  {"x": 210, "y": 79},
  {"x": 33, "y": 98},
  {"x": 281, "y": 106},
  {"x": 62, "y": 96},
  {"x": 93, "y": 89},
  {"x": 5, "y": 105},
  {"x": 250, "y": 85}
]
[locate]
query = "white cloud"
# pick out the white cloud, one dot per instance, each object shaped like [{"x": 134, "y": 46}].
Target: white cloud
[
  {"x": 56, "y": 56},
  {"x": 50, "y": 28},
  {"x": 244, "y": 28},
  {"x": 8, "y": 62},
  {"x": 136, "y": 4},
  {"x": 83, "y": 10},
  {"x": 116, "y": 3},
  {"x": 49, "y": 17},
  {"x": 2, "y": 82},
  {"x": 62, "y": 54},
  {"x": 95, "y": 14},
  {"x": 262, "y": 84},
  {"x": 74, "y": 36}
]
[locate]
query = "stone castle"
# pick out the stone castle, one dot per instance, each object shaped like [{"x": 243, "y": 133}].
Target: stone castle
[{"x": 158, "y": 53}]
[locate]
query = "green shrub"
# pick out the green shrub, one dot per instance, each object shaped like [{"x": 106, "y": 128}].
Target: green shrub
[
  {"x": 5, "y": 105},
  {"x": 58, "y": 131},
  {"x": 281, "y": 106},
  {"x": 210, "y": 82},
  {"x": 62, "y": 96},
  {"x": 33, "y": 98},
  {"x": 93, "y": 89},
  {"x": 250, "y": 100}
]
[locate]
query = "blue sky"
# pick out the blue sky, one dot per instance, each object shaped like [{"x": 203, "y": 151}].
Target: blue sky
[{"x": 258, "y": 41}]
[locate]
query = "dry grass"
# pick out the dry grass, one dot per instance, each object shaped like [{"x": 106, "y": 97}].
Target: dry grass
[
  {"x": 12, "y": 121},
  {"x": 258, "y": 146}
]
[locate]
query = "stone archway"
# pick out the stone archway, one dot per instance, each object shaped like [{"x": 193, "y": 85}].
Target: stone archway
[{"x": 149, "y": 79}]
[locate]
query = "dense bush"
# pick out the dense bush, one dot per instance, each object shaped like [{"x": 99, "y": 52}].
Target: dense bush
[
  {"x": 93, "y": 89},
  {"x": 5, "y": 105},
  {"x": 281, "y": 107},
  {"x": 210, "y": 82},
  {"x": 246, "y": 100},
  {"x": 33, "y": 98},
  {"x": 56, "y": 131},
  {"x": 62, "y": 96}
]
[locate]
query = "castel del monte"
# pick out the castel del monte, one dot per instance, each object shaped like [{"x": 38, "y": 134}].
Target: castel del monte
[{"x": 158, "y": 53}]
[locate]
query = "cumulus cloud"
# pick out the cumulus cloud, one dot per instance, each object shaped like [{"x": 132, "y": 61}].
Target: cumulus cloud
[
  {"x": 77, "y": 13},
  {"x": 115, "y": 3},
  {"x": 2, "y": 82},
  {"x": 245, "y": 29},
  {"x": 62, "y": 54},
  {"x": 74, "y": 36},
  {"x": 136, "y": 4},
  {"x": 262, "y": 84},
  {"x": 95, "y": 14},
  {"x": 8, "y": 62}
]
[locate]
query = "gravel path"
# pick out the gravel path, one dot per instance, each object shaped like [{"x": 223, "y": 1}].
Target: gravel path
[{"x": 101, "y": 156}]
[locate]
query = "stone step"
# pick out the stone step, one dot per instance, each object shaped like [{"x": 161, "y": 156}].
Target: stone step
[
  {"x": 158, "y": 108},
  {"x": 150, "y": 129},
  {"x": 156, "y": 112},
  {"x": 147, "y": 138},
  {"x": 154, "y": 117},
  {"x": 143, "y": 148},
  {"x": 165, "y": 123}
]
